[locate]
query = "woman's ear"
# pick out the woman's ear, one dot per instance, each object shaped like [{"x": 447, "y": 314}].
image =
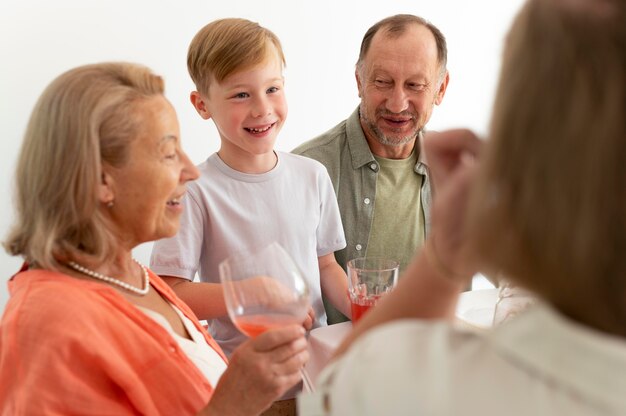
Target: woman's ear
[
  {"x": 106, "y": 193},
  {"x": 199, "y": 103}
]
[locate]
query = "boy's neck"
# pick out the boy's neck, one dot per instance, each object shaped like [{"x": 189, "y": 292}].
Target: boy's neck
[{"x": 249, "y": 163}]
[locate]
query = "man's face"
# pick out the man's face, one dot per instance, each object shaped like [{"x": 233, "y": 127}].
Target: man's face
[{"x": 399, "y": 82}]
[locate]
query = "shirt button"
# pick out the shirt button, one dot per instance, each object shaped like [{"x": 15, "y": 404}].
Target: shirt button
[
  {"x": 359, "y": 247},
  {"x": 373, "y": 166},
  {"x": 367, "y": 201}
]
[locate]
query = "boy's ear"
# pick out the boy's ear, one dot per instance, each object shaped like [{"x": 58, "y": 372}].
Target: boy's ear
[{"x": 199, "y": 104}]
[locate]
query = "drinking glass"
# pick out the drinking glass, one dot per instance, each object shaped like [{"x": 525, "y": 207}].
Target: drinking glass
[
  {"x": 369, "y": 278},
  {"x": 512, "y": 300},
  {"x": 263, "y": 289}
]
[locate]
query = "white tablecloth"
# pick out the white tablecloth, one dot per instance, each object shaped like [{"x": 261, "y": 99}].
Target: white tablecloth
[{"x": 474, "y": 311}]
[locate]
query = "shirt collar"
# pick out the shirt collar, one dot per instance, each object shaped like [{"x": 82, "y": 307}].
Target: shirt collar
[
  {"x": 360, "y": 150},
  {"x": 357, "y": 143}
]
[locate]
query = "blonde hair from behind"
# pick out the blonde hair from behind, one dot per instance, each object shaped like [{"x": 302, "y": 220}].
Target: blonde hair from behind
[
  {"x": 549, "y": 210},
  {"x": 226, "y": 46},
  {"x": 86, "y": 117}
]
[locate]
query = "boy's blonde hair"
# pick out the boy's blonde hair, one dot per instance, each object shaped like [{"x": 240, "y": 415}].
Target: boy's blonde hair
[
  {"x": 226, "y": 46},
  {"x": 86, "y": 117},
  {"x": 550, "y": 207}
]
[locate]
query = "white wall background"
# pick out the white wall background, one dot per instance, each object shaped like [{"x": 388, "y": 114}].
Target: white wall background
[{"x": 39, "y": 39}]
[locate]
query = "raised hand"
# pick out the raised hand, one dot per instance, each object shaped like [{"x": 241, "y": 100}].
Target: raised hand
[{"x": 451, "y": 157}]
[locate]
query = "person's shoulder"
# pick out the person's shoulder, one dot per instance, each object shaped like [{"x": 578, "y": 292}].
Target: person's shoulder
[
  {"x": 52, "y": 301},
  {"x": 417, "y": 344},
  {"x": 302, "y": 163},
  {"x": 419, "y": 333},
  {"x": 324, "y": 142},
  {"x": 207, "y": 169},
  {"x": 208, "y": 179}
]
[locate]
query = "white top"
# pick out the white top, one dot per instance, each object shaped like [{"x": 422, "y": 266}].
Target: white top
[
  {"x": 227, "y": 211},
  {"x": 538, "y": 364},
  {"x": 198, "y": 351}
]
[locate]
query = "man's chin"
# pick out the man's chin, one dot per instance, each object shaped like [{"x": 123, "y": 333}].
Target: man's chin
[{"x": 389, "y": 140}]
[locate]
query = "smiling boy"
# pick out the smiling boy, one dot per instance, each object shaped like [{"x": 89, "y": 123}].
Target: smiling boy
[{"x": 249, "y": 195}]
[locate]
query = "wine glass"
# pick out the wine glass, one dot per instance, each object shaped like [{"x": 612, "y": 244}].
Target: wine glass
[
  {"x": 512, "y": 300},
  {"x": 264, "y": 289}
]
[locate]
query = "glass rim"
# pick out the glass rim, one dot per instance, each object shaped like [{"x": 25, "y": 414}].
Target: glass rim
[{"x": 384, "y": 263}]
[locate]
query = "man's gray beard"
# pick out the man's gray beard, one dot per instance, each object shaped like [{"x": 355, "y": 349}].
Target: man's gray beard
[{"x": 382, "y": 139}]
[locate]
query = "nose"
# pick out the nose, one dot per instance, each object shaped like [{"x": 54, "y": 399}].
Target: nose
[
  {"x": 398, "y": 101},
  {"x": 189, "y": 171},
  {"x": 261, "y": 107}
]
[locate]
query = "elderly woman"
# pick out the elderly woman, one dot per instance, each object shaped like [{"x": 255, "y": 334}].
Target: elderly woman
[
  {"x": 548, "y": 210},
  {"x": 88, "y": 329}
]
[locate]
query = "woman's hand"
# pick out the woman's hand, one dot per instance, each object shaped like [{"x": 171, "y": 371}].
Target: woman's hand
[
  {"x": 260, "y": 371},
  {"x": 451, "y": 157},
  {"x": 429, "y": 289}
]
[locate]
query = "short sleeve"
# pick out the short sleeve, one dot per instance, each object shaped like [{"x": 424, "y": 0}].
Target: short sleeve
[
  {"x": 330, "y": 235},
  {"x": 180, "y": 255}
]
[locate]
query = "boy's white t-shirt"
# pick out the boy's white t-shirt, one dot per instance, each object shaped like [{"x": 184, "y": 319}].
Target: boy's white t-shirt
[{"x": 226, "y": 211}]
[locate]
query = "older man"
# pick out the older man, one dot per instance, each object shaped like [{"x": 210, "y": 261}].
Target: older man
[{"x": 374, "y": 157}]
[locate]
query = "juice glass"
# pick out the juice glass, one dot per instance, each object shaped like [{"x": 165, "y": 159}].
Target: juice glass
[{"x": 369, "y": 278}]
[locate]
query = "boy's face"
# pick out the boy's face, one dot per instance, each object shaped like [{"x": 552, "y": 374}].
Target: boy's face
[{"x": 248, "y": 109}]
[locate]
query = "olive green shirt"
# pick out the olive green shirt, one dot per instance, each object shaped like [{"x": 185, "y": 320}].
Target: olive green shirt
[
  {"x": 354, "y": 171},
  {"x": 398, "y": 225}
]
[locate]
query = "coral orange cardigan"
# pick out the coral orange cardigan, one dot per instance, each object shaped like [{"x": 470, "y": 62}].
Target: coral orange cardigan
[{"x": 71, "y": 346}]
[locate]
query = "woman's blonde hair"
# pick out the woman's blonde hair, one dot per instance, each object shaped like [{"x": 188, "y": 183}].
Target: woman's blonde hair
[
  {"x": 85, "y": 117},
  {"x": 226, "y": 46},
  {"x": 549, "y": 210}
]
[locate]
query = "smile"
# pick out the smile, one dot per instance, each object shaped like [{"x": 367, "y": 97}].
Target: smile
[{"x": 256, "y": 130}]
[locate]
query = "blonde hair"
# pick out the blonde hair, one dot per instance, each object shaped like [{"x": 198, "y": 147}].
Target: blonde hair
[
  {"x": 84, "y": 118},
  {"x": 226, "y": 46},
  {"x": 549, "y": 210}
]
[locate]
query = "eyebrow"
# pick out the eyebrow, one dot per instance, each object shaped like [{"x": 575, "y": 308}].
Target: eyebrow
[
  {"x": 168, "y": 137},
  {"x": 242, "y": 85}
]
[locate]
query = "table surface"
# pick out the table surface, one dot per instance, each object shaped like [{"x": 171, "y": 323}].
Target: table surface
[{"x": 474, "y": 311}]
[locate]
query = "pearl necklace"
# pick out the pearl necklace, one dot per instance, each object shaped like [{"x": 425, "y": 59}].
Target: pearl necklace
[{"x": 113, "y": 281}]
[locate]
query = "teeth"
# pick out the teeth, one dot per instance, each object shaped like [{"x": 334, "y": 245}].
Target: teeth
[
  {"x": 174, "y": 201},
  {"x": 253, "y": 130}
]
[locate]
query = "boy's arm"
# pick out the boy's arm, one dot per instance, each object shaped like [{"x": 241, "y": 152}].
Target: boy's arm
[
  {"x": 206, "y": 300},
  {"x": 334, "y": 283}
]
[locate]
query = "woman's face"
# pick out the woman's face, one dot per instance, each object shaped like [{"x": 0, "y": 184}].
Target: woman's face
[{"x": 148, "y": 189}]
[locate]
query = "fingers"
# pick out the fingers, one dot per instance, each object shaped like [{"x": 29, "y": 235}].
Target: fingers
[
  {"x": 295, "y": 351},
  {"x": 308, "y": 321},
  {"x": 274, "y": 338},
  {"x": 447, "y": 150},
  {"x": 261, "y": 370},
  {"x": 451, "y": 142},
  {"x": 287, "y": 356}
]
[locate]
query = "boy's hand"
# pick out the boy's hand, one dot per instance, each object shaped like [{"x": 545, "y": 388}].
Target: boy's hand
[{"x": 310, "y": 318}]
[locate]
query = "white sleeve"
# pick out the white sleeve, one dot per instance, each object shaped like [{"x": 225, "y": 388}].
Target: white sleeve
[
  {"x": 180, "y": 255},
  {"x": 330, "y": 236}
]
